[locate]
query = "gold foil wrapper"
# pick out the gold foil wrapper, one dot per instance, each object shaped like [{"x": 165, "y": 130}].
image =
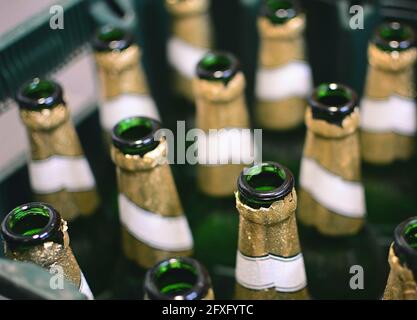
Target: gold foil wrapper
[
  {"x": 49, "y": 255},
  {"x": 280, "y": 45},
  {"x": 190, "y": 23},
  {"x": 266, "y": 231},
  {"x": 401, "y": 284},
  {"x": 389, "y": 74},
  {"x": 337, "y": 150},
  {"x": 51, "y": 132},
  {"x": 220, "y": 106},
  {"x": 148, "y": 182},
  {"x": 121, "y": 72}
]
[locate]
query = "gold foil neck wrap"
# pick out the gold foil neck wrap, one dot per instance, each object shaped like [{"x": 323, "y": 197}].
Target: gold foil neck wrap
[
  {"x": 266, "y": 231},
  {"x": 120, "y": 72},
  {"x": 191, "y": 21},
  {"x": 281, "y": 44},
  {"x": 49, "y": 255},
  {"x": 401, "y": 284},
  {"x": 148, "y": 182},
  {"x": 51, "y": 132}
]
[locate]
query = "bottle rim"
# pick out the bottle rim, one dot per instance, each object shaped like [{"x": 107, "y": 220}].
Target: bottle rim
[
  {"x": 279, "y": 11},
  {"x": 38, "y": 94},
  {"x": 198, "y": 289},
  {"x": 394, "y": 36},
  {"x": 332, "y": 101},
  {"x": 110, "y": 38},
  {"x": 255, "y": 198},
  {"x": 402, "y": 248},
  {"x": 218, "y": 66},
  {"x": 48, "y": 232},
  {"x": 141, "y": 144}
]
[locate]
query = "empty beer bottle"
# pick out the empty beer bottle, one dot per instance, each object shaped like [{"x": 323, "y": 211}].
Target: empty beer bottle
[
  {"x": 124, "y": 89},
  {"x": 58, "y": 171},
  {"x": 269, "y": 262},
  {"x": 332, "y": 198},
  {"x": 388, "y": 109},
  {"x": 191, "y": 38},
  {"x": 178, "y": 279},
  {"x": 34, "y": 232},
  {"x": 402, "y": 259},
  {"x": 283, "y": 78},
  {"x": 154, "y": 226},
  {"x": 226, "y": 144}
]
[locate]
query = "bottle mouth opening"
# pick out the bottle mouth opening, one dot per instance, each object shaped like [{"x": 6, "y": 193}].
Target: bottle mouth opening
[
  {"x": 220, "y": 66},
  {"x": 177, "y": 279},
  {"x": 263, "y": 184},
  {"x": 405, "y": 243},
  {"x": 279, "y": 11},
  {"x": 39, "y": 93},
  {"x": 31, "y": 223},
  {"x": 109, "y": 38},
  {"x": 332, "y": 101},
  {"x": 394, "y": 36},
  {"x": 136, "y": 135}
]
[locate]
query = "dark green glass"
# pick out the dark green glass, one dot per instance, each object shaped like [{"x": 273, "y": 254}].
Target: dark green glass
[
  {"x": 135, "y": 135},
  {"x": 405, "y": 243},
  {"x": 394, "y": 36},
  {"x": 38, "y": 94},
  {"x": 332, "y": 102},
  {"x": 177, "y": 279},
  {"x": 263, "y": 184},
  {"x": 31, "y": 224},
  {"x": 279, "y": 11},
  {"x": 110, "y": 38},
  {"x": 218, "y": 66}
]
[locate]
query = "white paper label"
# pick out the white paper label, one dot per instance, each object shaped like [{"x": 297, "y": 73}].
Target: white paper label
[
  {"x": 125, "y": 106},
  {"x": 228, "y": 145},
  {"x": 60, "y": 172},
  {"x": 332, "y": 191},
  {"x": 184, "y": 57},
  {"x": 85, "y": 288},
  {"x": 396, "y": 114},
  {"x": 291, "y": 80},
  {"x": 283, "y": 274},
  {"x": 159, "y": 232}
]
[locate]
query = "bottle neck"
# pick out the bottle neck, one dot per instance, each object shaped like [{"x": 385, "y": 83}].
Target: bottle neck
[
  {"x": 178, "y": 279},
  {"x": 39, "y": 94},
  {"x": 405, "y": 244}
]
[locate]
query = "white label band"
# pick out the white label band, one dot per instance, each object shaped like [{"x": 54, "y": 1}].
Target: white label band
[
  {"x": 85, "y": 288},
  {"x": 125, "y": 106},
  {"x": 291, "y": 80},
  {"x": 259, "y": 273},
  {"x": 184, "y": 57},
  {"x": 395, "y": 114},
  {"x": 331, "y": 191},
  {"x": 226, "y": 146},
  {"x": 163, "y": 233},
  {"x": 60, "y": 172}
]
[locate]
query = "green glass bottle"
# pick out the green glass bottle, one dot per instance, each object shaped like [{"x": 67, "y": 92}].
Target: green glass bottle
[
  {"x": 269, "y": 262},
  {"x": 58, "y": 171},
  {"x": 35, "y": 232},
  {"x": 401, "y": 284},
  {"x": 178, "y": 279}
]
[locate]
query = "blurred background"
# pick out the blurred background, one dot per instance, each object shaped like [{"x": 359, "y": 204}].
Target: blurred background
[{"x": 29, "y": 47}]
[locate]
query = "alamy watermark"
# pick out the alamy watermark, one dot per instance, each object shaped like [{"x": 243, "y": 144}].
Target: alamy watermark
[{"x": 56, "y": 21}]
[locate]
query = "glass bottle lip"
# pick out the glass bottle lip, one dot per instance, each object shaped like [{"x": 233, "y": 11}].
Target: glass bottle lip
[
  {"x": 198, "y": 290},
  {"x": 49, "y": 232},
  {"x": 344, "y": 102},
  {"x": 38, "y": 94},
  {"x": 218, "y": 66},
  {"x": 259, "y": 198},
  {"x": 279, "y": 11},
  {"x": 109, "y": 38},
  {"x": 394, "y": 36},
  {"x": 139, "y": 145},
  {"x": 403, "y": 250}
]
